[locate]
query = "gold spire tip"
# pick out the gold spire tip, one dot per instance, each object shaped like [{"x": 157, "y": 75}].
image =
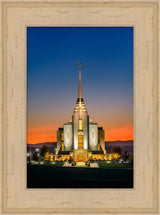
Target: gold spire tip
[{"x": 79, "y": 65}]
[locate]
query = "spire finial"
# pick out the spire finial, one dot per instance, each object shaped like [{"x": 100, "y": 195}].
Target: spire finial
[{"x": 79, "y": 65}]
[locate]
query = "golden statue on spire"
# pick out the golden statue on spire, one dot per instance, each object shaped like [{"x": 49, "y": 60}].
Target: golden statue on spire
[{"x": 79, "y": 65}]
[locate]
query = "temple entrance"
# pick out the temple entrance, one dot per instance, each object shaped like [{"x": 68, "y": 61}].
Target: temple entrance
[{"x": 81, "y": 158}]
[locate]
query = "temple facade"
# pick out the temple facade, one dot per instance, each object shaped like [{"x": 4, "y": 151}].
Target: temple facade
[{"x": 80, "y": 137}]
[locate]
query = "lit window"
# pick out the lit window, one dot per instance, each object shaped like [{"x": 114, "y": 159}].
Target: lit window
[{"x": 92, "y": 135}]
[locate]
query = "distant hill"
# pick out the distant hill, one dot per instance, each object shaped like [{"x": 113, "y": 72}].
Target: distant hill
[
  {"x": 120, "y": 142},
  {"x": 40, "y": 145},
  {"x": 124, "y": 145},
  {"x": 32, "y": 147}
]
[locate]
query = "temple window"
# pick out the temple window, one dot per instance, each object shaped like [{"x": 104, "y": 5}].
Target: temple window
[{"x": 92, "y": 134}]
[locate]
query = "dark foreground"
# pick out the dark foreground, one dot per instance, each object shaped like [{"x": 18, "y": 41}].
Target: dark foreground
[{"x": 39, "y": 176}]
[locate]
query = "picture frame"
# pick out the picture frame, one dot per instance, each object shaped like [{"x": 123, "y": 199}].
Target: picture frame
[{"x": 144, "y": 17}]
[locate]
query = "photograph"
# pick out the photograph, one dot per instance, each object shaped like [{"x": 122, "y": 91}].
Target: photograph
[{"x": 80, "y": 131}]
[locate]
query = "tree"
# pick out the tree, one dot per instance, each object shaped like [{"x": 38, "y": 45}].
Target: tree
[
  {"x": 35, "y": 156},
  {"x": 126, "y": 156},
  {"x": 131, "y": 159},
  {"x": 45, "y": 152},
  {"x": 116, "y": 152}
]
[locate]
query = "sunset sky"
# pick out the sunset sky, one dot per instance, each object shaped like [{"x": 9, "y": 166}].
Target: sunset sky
[{"x": 106, "y": 54}]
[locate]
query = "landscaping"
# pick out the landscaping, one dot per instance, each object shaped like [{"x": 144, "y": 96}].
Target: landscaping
[{"x": 115, "y": 165}]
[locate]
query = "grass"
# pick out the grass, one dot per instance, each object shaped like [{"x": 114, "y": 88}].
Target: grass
[
  {"x": 116, "y": 165},
  {"x": 101, "y": 164},
  {"x": 58, "y": 164}
]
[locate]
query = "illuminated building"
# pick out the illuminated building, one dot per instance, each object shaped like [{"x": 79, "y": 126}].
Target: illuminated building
[{"x": 80, "y": 137}]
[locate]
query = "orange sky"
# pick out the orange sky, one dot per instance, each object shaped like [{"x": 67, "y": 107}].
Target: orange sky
[
  {"x": 117, "y": 122},
  {"x": 49, "y": 134}
]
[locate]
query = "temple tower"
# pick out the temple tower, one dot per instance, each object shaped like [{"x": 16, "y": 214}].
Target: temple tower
[
  {"x": 80, "y": 135},
  {"x": 80, "y": 120}
]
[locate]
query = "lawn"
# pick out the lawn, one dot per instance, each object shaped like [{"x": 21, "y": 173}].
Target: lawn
[
  {"x": 115, "y": 165},
  {"x": 49, "y": 176}
]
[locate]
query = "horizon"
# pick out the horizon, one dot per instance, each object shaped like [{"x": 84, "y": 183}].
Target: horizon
[
  {"x": 106, "y": 54},
  {"x": 105, "y": 142}
]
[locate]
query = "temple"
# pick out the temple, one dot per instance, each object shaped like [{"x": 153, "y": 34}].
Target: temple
[{"x": 80, "y": 139}]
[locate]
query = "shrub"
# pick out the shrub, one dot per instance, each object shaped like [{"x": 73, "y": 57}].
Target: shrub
[{"x": 35, "y": 156}]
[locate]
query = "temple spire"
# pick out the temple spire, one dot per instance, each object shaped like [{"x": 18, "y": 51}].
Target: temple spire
[{"x": 80, "y": 83}]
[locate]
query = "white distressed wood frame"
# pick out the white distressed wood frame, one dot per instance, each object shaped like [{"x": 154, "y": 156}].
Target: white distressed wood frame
[{"x": 16, "y": 16}]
